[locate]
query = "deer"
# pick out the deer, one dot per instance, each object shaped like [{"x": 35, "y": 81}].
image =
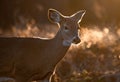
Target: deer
[{"x": 28, "y": 59}]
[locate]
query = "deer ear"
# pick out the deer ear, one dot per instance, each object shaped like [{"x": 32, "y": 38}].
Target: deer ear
[
  {"x": 54, "y": 15},
  {"x": 78, "y": 16}
]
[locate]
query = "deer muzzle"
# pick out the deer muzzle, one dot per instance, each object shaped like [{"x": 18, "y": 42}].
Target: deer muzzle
[{"x": 76, "y": 40}]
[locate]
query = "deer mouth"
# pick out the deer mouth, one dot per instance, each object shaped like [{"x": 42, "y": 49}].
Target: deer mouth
[
  {"x": 76, "y": 40},
  {"x": 69, "y": 42}
]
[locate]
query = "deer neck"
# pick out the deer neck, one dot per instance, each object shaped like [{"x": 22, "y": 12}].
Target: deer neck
[
  {"x": 58, "y": 41},
  {"x": 57, "y": 48}
]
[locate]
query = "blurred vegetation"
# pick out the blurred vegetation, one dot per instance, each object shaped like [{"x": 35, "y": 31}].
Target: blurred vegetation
[
  {"x": 96, "y": 59},
  {"x": 99, "y": 12}
]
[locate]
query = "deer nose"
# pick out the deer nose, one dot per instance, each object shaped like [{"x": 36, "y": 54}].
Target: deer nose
[{"x": 76, "y": 40}]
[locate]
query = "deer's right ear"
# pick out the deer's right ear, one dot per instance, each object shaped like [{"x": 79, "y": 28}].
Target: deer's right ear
[{"x": 54, "y": 15}]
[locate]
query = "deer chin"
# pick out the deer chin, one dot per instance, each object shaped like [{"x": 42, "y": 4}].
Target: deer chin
[{"x": 67, "y": 43}]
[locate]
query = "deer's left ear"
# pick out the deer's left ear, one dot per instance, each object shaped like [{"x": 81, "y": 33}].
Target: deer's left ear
[
  {"x": 78, "y": 16},
  {"x": 54, "y": 15}
]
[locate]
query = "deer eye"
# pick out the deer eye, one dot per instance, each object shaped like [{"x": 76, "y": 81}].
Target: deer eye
[{"x": 66, "y": 28}]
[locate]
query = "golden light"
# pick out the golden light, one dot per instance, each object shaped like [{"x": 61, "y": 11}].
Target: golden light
[{"x": 96, "y": 36}]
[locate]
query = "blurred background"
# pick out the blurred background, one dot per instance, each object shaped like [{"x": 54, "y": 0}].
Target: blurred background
[
  {"x": 99, "y": 12},
  {"x": 96, "y": 59}
]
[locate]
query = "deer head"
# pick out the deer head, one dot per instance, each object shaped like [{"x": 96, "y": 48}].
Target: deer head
[{"x": 69, "y": 25}]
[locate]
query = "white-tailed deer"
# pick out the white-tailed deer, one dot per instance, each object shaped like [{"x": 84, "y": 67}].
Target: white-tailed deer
[{"x": 32, "y": 59}]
